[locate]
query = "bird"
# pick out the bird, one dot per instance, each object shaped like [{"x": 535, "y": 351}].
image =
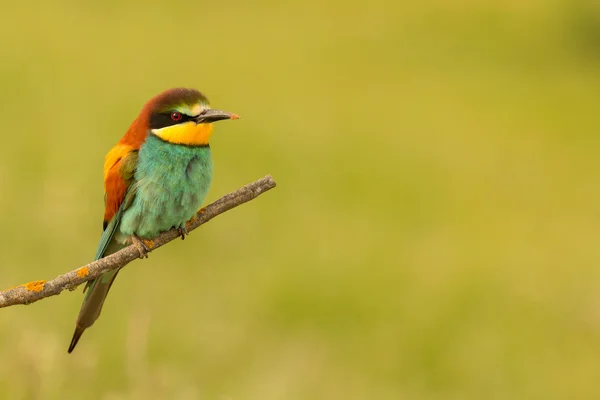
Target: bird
[{"x": 155, "y": 178}]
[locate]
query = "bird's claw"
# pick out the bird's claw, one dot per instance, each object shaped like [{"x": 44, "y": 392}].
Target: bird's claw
[
  {"x": 140, "y": 246},
  {"x": 183, "y": 231}
]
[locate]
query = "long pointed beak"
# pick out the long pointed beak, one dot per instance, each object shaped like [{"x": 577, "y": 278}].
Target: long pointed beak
[{"x": 210, "y": 115}]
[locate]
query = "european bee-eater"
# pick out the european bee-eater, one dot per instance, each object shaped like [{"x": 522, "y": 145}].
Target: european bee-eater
[{"x": 155, "y": 179}]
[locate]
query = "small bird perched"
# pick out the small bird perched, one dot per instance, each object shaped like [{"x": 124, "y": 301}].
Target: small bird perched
[{"x": 155, "y": 179}]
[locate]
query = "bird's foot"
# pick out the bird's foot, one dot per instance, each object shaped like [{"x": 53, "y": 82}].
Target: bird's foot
[
  {"x": 183, "y": 231},
  {"x": 142, "y": 246}
]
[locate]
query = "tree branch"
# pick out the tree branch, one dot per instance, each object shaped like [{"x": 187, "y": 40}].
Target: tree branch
[{"x": 37, "y": 290}]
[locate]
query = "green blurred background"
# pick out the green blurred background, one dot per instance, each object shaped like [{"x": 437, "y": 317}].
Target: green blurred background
[{"x": 434, "y": 233}]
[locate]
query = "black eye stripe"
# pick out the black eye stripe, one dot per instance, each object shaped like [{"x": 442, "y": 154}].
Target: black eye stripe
[{"x": 161, "y": 120}]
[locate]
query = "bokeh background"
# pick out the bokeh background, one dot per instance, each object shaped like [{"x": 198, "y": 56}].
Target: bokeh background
[{"x": 434, "y": 233}]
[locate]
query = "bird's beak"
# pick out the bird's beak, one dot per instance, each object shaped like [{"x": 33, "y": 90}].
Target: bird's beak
[{"x": 210, "y": 115}]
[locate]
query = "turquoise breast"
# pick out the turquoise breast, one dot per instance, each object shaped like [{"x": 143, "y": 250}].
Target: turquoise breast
[{"x": 171, "y": 184}]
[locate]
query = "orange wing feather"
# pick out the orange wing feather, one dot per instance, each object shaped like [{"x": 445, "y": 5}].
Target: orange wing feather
[
  {"x": 116, "y": 176},
  {"x": 115, "y": 184}
]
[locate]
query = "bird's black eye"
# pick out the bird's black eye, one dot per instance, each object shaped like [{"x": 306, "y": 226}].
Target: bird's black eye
[{"x": 175, "y": 116}]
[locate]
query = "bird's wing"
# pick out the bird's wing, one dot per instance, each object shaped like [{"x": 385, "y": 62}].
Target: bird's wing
[{"x": 119, "y": 190}]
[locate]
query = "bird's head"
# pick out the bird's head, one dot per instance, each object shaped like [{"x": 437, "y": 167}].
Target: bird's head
[{"x": 183, "y": 116}]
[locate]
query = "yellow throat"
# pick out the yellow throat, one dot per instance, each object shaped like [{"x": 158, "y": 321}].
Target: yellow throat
[{"x": 190, "y": 134}]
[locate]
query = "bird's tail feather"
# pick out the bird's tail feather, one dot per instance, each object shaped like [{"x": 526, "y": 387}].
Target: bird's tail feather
[
  {"x": 92, "y": 304},
  {"x": 78, "y": 332}
]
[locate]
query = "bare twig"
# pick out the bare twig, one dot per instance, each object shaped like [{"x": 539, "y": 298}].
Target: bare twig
[{"x": 37, "y": 290}]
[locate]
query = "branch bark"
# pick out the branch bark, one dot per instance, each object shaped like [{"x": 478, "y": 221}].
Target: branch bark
[{"x": 37, "y": 290}]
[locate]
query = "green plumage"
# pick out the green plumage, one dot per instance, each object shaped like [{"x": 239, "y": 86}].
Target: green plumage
[{"x": 171, "y": 183}]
